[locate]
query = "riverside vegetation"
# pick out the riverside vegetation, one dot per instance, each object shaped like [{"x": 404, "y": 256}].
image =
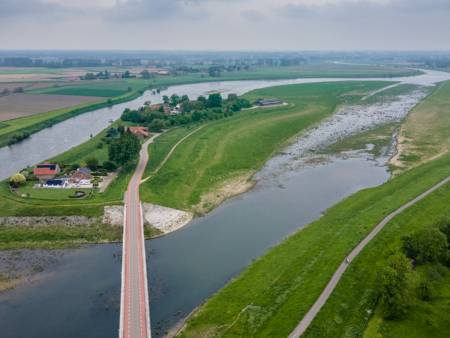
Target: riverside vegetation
[{"x": 270, "y": 297}]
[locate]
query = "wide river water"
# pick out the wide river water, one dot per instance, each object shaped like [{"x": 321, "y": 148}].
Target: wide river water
[{"x": 79, "y": 296}]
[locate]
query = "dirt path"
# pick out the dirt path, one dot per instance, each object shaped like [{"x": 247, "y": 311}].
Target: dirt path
[
  {"x": 170, "y": 153},
  {"x": 314, "y": 310}
]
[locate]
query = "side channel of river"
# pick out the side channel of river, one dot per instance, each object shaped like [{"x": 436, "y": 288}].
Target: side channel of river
[{"x": 79, "y": 294}]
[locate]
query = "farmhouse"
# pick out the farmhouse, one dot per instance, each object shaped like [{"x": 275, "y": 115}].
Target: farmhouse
[
  {"x": 269, "y": 102},
  {"x": 81, "y": 176},
  {"x": 139, "y": 131},
  {"x": 166, "y": 108},
  {"x": 46, "y": 171}
]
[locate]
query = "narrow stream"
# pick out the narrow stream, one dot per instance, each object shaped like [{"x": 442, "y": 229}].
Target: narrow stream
[{"x": 79, "y": 296}]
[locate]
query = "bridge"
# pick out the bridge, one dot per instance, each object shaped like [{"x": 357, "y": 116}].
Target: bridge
[{"x": 134, "y": 307}]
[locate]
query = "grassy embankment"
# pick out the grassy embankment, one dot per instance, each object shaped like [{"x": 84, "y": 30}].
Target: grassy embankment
[
  {"x": 234, "y": 148},
  {"x": 119, "y": 90},
  {"x": 425, "y": 133},
  {"x": 270, "y": 297}
]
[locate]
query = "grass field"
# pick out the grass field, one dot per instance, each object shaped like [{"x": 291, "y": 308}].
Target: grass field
[
  {"x": 270, "y": 297},
  {"x": 103, "y": 88},
  {"x": 426, "y": 131},
  {"x": 48, "y": 194},
  {"x": 240, "y": 145},
  {"x": 162, "y": 145}
]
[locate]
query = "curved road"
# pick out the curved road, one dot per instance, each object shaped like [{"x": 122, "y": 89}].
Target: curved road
[
  {"x": 134, "y": 308},
  {"x": 314, "y": 310}
]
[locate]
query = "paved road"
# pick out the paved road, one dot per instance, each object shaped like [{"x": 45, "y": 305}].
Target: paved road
[
  {"x": 134, "y": 309},
  {"x": 311, "y": 314}
]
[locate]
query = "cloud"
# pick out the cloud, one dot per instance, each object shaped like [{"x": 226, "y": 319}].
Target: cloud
[{"x": 225, "y": 24}]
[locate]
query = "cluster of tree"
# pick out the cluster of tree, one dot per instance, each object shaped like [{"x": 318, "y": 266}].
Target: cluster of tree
[
  {"x": 212, "y": 107},
  {"x": 397, "y": 284},
  {"x": 124, "y": 149},
  {"x": 7, "y": 91}
]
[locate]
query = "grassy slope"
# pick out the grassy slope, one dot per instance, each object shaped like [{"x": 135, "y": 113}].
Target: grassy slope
[
  {"x": 426, "y": 131},
  {"x": 162, "y": 145},
  {"x": 240, "y": 145},
  {"x": 271, "y": 296}
]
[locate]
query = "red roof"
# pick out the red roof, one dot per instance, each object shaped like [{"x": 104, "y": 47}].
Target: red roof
[
  {"x": 143, "y": 131},
  {"x": 44, "y": 171}
]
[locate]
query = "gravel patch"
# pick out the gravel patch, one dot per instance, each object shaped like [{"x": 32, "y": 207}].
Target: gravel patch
[{"x": 165, "y": 219}]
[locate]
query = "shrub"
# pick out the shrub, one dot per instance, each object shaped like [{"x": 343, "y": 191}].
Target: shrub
[
  {"x": 395, "y": 286},
  {"x": 110, "y": 166},
  {"x": 17, "y": 180},
  {"x": 428, "y": 245},
  {"x": 92, "y": 163}
]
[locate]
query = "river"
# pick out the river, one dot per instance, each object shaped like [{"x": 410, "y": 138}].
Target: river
[
  {"x": 79, "y": 296},
  {"x": 52, "y": 141}
]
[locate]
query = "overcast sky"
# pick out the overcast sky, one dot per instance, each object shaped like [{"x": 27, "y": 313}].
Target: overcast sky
[{"x": 225, "y": 24}]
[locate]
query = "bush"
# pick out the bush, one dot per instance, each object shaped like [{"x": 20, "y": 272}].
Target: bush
[
  {"x": 428, "y": 245},
  {"x": 92, "y": 163},
  {"x": 17, "y": 180},
  {"x": 110, "y": 166},
  {"x": 395, "y": 286}
]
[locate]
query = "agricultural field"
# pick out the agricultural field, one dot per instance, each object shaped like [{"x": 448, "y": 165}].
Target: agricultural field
[
  {"x": 15, "y": 106},
  {"x": 426, "y": 132},
  {"x": 325, "y": 70},
  {"x": 103, "y": 88},
  {"x": 234, "y": 148}
]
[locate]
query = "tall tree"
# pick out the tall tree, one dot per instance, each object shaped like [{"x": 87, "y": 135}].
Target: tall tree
[
  {"x": 124, "y": 149},
  {"x": 395, "y": 286}
]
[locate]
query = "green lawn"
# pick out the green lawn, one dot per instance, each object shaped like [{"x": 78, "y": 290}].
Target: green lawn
[
  {"x": 240, "y": 145},
  {"x": 270, "y": 297},
  {"x": 48, "y": 193}
]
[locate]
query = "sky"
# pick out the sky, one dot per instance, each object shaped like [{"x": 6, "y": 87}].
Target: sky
[{"x": 225, "y": 24}]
